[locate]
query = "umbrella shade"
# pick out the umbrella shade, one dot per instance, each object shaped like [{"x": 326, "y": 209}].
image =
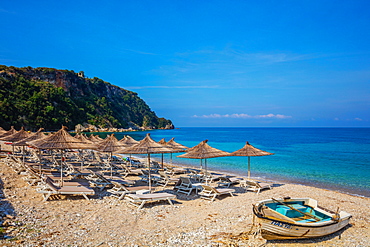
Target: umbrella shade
[
  {"x": 37, "y": 135},
  {"x": 83, "y": 138},
  {"x": 9, "y": 132},
  {"x": 162, "y": 141},
  {"x": 176, "y": 146},
  {"x": 17, "y": 136},
  {"x": 95, "y": 138},
  {"x": 128, "y": 140},
  {"x": 109, "y": 144},
  {"x": 203, "y": 151},
  {"x": 145, "y": 146},
  {"x": 60, "y": 140},
  {"x": 249, "y": 150}
]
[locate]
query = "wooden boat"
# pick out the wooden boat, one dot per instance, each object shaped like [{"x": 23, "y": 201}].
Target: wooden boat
[{"x": 297, "y": 219}]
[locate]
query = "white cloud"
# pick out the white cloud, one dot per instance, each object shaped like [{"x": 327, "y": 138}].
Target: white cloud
[
  {"x": 243, "y": 115},
  {"x": 358, "y": 119}
]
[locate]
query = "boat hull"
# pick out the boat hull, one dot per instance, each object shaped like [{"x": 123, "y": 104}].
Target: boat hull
[{"x": 273, "y": 229}]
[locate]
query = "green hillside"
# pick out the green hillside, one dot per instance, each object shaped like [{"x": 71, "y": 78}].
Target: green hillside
[{"x": 50, "y": 98}]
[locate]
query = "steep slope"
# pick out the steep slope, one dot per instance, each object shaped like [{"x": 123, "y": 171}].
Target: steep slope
[{"x": 46, "y": 97}]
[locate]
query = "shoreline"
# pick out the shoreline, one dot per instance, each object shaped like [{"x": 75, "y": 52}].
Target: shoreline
[{"x": 260, "y": 178}]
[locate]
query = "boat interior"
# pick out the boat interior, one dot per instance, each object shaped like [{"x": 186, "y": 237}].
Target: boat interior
[{"x": 298, "y": 212}]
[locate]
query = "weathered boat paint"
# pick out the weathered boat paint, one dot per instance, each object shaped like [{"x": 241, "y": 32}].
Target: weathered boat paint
[{"x": 277, "y": 226}]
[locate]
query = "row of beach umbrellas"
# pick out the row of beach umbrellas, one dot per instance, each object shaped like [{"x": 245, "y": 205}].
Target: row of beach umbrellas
[{"x": 62, "y": 140}]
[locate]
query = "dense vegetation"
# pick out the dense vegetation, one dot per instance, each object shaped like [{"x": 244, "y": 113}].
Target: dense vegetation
[{"x": 50, "y": 98}]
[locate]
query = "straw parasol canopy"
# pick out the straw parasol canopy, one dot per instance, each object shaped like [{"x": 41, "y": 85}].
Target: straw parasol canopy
[
  {"x": 34, "y": 136},
  {"x": 109, "y": 144},
  {"x": 146, "y": 146},
  {"x": 162, "y": 141},
  {"x": 203, "y": 151},
  {"x": 60, "y": 140},
  {"x": 249, "y": 150},
  {"x": 9, "y": 132},
  {"x": 17, "y": 136},
  {"x": 2, "y": 130},
  {"x": 174, "y": 145},
  {"x": 83, "y": 138},
  {"x": 128, "y": 140},
  {"x": 95, "y": 138}
]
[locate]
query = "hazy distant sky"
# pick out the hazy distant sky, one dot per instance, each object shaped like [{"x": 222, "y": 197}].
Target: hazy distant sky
[{"x": 208, "y": 62}]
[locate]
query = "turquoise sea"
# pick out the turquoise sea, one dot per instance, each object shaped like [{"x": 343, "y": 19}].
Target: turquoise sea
[{"x": 331, "y": 158}]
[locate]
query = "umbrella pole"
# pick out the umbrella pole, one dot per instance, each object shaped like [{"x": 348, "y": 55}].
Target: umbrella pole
[
  {"x": 162, "y": 160},
  {"x": 205, "y": 166},
  {"x": 171, "y": 159},
  {"x": 150, "y": 178},
  {"x": 111, "y": 166},
  {"x": 249, "y": 167},
  {"x": 61, "y": 167},
  {"x": 23, "y": 152}
]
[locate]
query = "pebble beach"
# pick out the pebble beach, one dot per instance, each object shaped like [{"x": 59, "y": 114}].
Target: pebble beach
[{"x": 106, "y": 221}]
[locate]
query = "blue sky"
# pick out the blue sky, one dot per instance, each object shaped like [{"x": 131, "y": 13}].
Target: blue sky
[{"x": 208, "y": 63}]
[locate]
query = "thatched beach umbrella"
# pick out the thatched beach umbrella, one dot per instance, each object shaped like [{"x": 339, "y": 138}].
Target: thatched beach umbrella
[
  {"x": 203, "y": 151},
  {"x": 34, "y": 136},
  {"x": 9, "y": 132},
  {"x": 17, "y": 136},
  {"x": 146, "y": 146},
  {"x": 128, "y": 140},
  {"x": 95, "y": 138},
  {"x": 83, "y": 138},
  {"x": 110, "y": 145},
  {"x": 60, "y": 140},
  {"x": 177, "y": 147},
  {"x": 249, "y": 150}
]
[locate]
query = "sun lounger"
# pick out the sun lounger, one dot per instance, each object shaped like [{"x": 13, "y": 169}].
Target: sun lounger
[
  {"x": 119, "y": 190},
  {"x": 176, "y": 170},
  {"x": 210, "y": 193},
  {"x": 145, "y": 176},
  {"x": 52, "y": 189},
  {"x": 140, "y": 199},
  {"x": 227, "y": 182},
  {"x": 166, "y": 180},
  {"x": 98, "y": 180},
  {"x": 184, "y": 185},
  {"x": 254, "y": 185}
]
